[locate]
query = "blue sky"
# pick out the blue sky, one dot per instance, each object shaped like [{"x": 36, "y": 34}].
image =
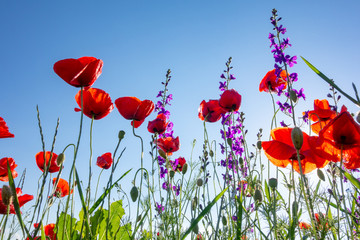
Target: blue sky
[{"x": 138, "y": 41}]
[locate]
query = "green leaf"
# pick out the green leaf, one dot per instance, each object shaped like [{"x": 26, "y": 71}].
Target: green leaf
[
  {"x": 351, "y": 178},
  {"x": 203, "y": 213},
  {"x": 63, "y": 230},
  {"x": 102, "y": 197},
  {"x": 267, "y": 191},
  {"x": 329, "y": 81}
]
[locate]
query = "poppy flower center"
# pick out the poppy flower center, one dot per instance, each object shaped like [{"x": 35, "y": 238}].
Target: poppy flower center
[{"x": 295, "y": 158}]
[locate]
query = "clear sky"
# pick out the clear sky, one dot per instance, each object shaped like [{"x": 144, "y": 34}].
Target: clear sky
[{"x": 138, "y": 41}]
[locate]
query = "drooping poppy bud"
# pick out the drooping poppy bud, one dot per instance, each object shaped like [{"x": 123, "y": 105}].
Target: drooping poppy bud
[
  {"x": 7, "y": 196},
  {"x": 321, "y": 175},
  {"x": 134, "y": 193},
  {"x": 258, "y": 196},
  {"x": 297, "y": 137},
  {"x": 199, "y": 182},
  {"x": 60, "y": 159}
]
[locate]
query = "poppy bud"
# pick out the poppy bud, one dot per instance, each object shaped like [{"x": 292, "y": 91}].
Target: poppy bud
[
  {"x": 293, "y": 96},
  {"x": 175, "y": 203},
  {"x": 121, "y": 134},
  {"x": 224, "y": 220},
  {"x": 258, "y": 196},
  {"x": 60, "y": 159},
  {"x": 295, "y": 207},
  {"x": 258, "y": 144},
  {"x": 273, "y": 183},
  {"x": 321, "y": 174},
  {"x": 134, "y": 193},
  {"x": 297, "y": 137},
  {"x": 138, "y": 218},
  {"x": 358, "y": 116},
  {"x": 199, "y": 182},
  {"x": 185, "y": 167},
  {"x": 172, "y": 173},
  {"x": 241, "y": 160},
  {"x": 211, "y": 153},
  {"x": 162, "y": 153},
  {"x": 194, "y": 203},
  {"x": 6, "y": 195}
]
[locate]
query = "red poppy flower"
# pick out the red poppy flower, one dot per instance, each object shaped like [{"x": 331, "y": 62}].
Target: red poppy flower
[
  {"x": 4, "y": 130},
  {"x": 210, "y": 111},
  {"x": 158, "y": 125},
  {"x": 281, "y": 152},
  {"x": 180, "y": 163},
  {"x": 96, "y": 103},
  {"x": 271, "y": 82},
  {"x": 304, "y": 225},
  {"x": 22, "y": 200},
  {"x": 105, "y": 160},
  {"x": 4, "y": 171},
  {"x": 131, "y": 108},
  {"x": 230, "y": 100},
  {"x": 62, "y": 188},
  {"x": 339, "y": 138},
  {"x": 321, "y": 115},
  {"x": 49, "y": 231},
  {"x": 81, "y": 72},
  {"x": 321, "y": 220},
  {"x": 169, "y": 144},
  {"x": 40, "y": 161}
]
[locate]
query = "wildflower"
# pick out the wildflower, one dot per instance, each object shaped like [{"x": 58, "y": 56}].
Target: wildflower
[
  {"x": 304, "y": 225},
  {"x": 158, "y": 125},
  {"x": 4, "y": 130},
  {"x": 321, "y": 115},
  {"x": 4, "y": 171},
  {"x": 340, "y": 138},
  {"x": 96, "y": 103},
  {"x": 230, "y": 100},
  {"x": 271, "y": 82},
  {"x": 281, "y": 152},
  {"x": 81, "y": 72},
  {"x": 131, "y": 108},
  {"x": 22, "y": 200},
  {"x": 48, "y": 230},
  {"x": 104, "y": 161},
  {"x": 210, "y": 111},
  {"x": 169, "y": 145},
  {"x": 51, "y": 164},
  {"x": 62, "y": 188}
]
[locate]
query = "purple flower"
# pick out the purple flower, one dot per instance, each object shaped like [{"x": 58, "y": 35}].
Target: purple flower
[
  {"x": 161, "y": 160},
  {"x": 159, "y": 208},
  {"x": 305, "y": 117},
  {"x": 177, "y": 190},
  {"x": 223, "y": 76},
  {"x": 234, "y": 218},
  {"x": 160, "y": 94},
  {"x": 232, "y": 77},
  {"x": 222, "y": 86},
  {"x": 282, "y": 123},
  {"x": 163, "y": 171}
]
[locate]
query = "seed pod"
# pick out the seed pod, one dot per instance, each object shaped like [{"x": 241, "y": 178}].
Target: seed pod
[
  {"x": 199, "y": 182},
  {"x": 321, "y": 174},
  {"x": 121, "y": 134},
  {"x": 293, "y": 96},
  {"x": 258, "y": 144},
  {"x": 273, "y": 183},
  {"x": 224, "y": 220},
  {"x": 134, "y": 193},
  {"x": 60, "y": 159},
  {"x": 172, "y": 173},
  {"x": 358, "y": 116},
  {"x": 295, "y": 207},
  {"x": 297, "y": 137},
  {"x": 258, "y": 196},
  {"x": 6, "y": 195},
  {"x": 184, "y": 169},
  {"x": 194, "y": 203}
]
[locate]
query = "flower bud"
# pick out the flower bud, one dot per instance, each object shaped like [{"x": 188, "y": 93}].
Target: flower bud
[
  {"x": 162, "y": 153},
  {"x": 60, "y": 159},
  {"x": 211, "y": 153},
  {"x": 6, "y": 195},
  {"x": 121, "y": 134},
  {"x": 194, "y": 203},
  {"x": 172, "y": 173},
  {"x": 258, "y": 196},
  {"x": 358, "y": 116},
  {"x": 297, "y": 137},
  {"x": 273, "y": 183},
  {"x": 185, "y": 167},
  {"x": 199, "y": 182},
  {"x": 138, "y": 218},
  {"x": 224, "y": 220},
  {"x": 241, "y": 160},
  {"x": 134, "y": 193},
  {"x": 295, "y": 207},
  {"x": 258, "y": 144},
  {"x": 321, "y": 174},
  {"x": 293, "y": 96}
]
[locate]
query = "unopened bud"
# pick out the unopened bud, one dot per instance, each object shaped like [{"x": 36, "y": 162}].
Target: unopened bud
[
  {"x": 199, "y": 182},
  {"x": 138, "y": 218},
  {"x": 258, "y": 144},
  {"x": 6, "y": 195},
  {"x": 358, "y": 116},
  {"x": 258, "y": 196},
  {"x": 273, "y": 183},
  {"x": 194, "y": 203},
  {"x": 121, "y": 134},
  {"x": 162, "y": 153},
  {"x": 134, "y": 193},
  {"x": 224, "y": 220},
  {"x": 184, "y": 169},
  {"x": 241, "y": 160},
  {"x": 172, "y": 173},
  {"x": 320, "y": 174},
  {"x": 211, "y": 153},
  {"x": 297, "y": 137},
  {"x": 295, "y": 207},
  {"x": 60, "y": 159},
  {"x": 293, "y": 96}
]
